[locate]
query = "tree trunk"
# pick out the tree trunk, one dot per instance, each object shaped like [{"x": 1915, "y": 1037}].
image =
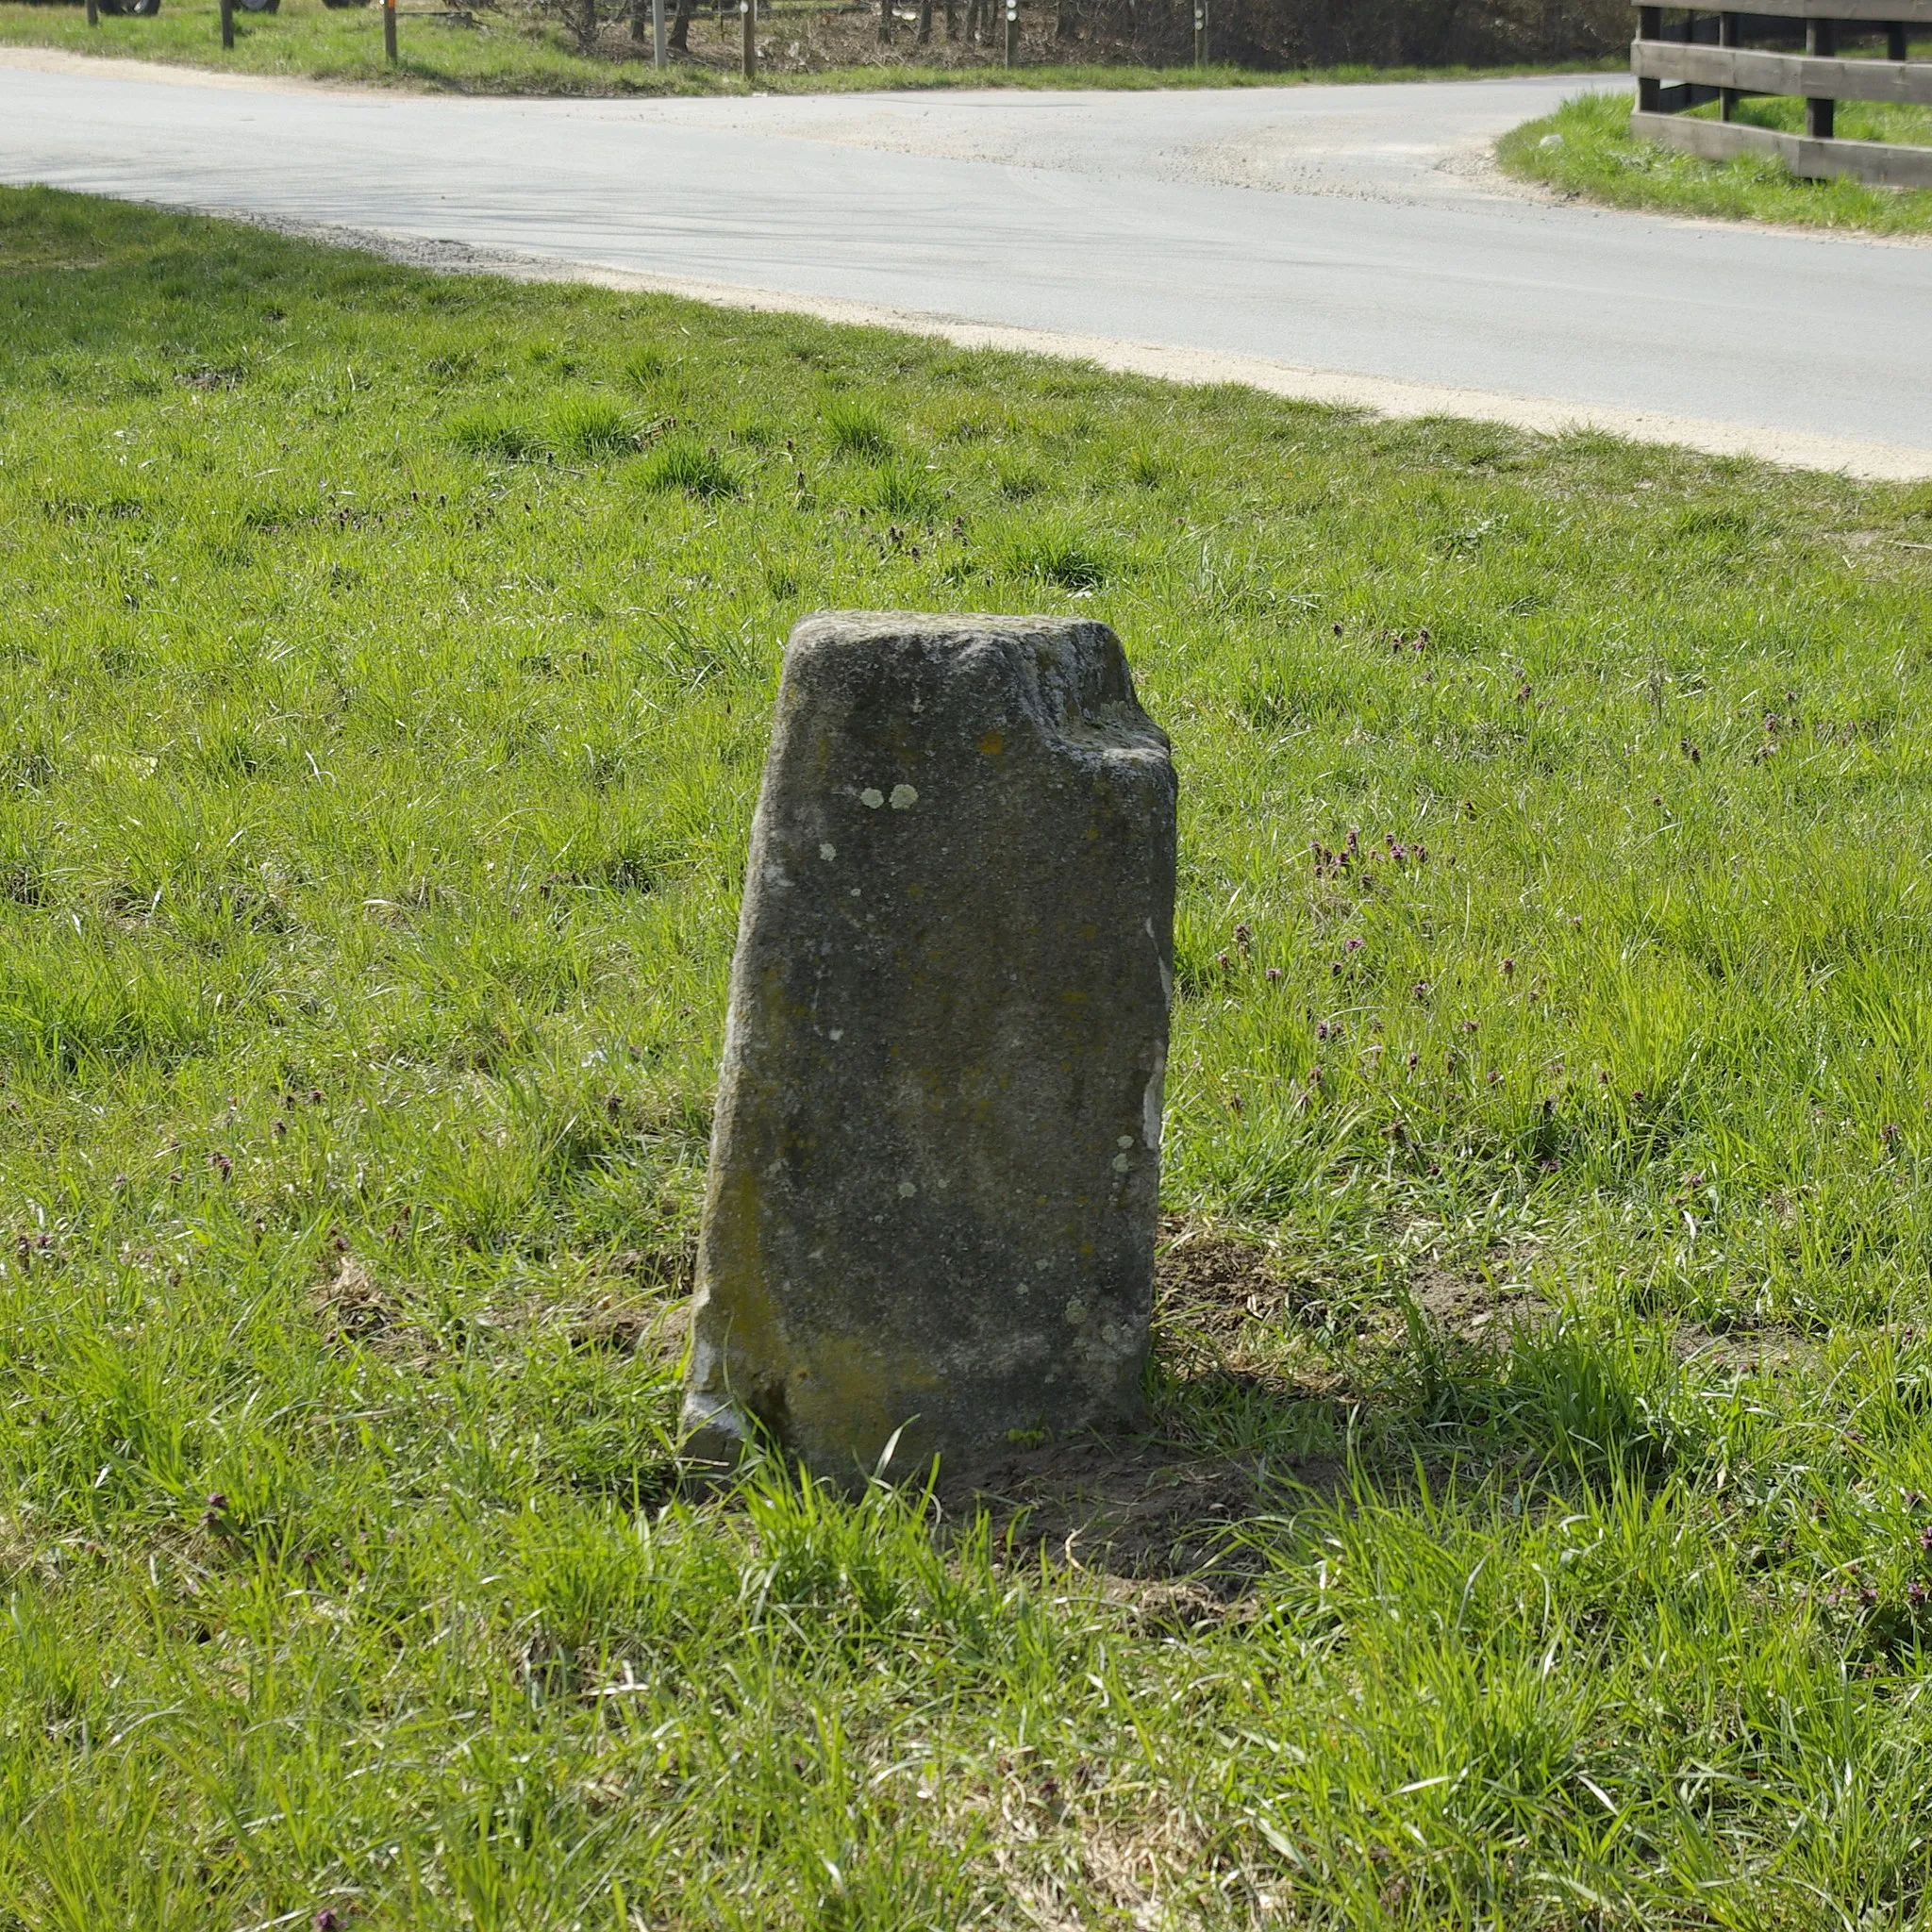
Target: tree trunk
[
  {"x": 924, "y": 33},
  {"x": 680, "y": 29}
]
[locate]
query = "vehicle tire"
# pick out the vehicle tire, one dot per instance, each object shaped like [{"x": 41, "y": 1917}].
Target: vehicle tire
[
  {"x": 259, "y": 6},
  {"x": 143, "y": 9},
  {"x": 340, "y": 4}
]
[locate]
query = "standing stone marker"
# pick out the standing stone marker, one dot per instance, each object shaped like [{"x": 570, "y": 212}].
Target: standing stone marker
[{"x": 935, "y": 1158}]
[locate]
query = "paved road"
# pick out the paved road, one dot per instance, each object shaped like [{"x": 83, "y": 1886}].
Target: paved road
[{"x": 1325, "y": 240}]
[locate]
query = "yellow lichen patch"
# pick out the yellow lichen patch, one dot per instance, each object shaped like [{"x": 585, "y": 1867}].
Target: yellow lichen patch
[{"x": 846, "y": 1398}]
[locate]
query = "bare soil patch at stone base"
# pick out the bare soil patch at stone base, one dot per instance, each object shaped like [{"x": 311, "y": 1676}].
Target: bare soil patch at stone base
[{"x": 1151, "y": 1506}]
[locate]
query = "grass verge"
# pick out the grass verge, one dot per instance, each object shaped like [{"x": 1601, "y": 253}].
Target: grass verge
[
  {"x": 500, "y": 54},
  {"x": 1535, "y": 1532},
  {"x": 1586, "y": 148}
]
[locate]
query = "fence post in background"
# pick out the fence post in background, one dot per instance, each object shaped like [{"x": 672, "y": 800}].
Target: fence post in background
[
  {"x": 1012, "y": 33},
  {"x": 227, "y": 11},
  {"x": 923, "y": 35},
  {"x": 749, "y": 12},
  {"x": 389, "y": 31},
  {"x": 1650, "y": 26},
  {"x": 1821, "y": 37},
  {"x": 657, "y": 33},
  {"x": 885, "y": 22},
  {"x": 1200, "y": 33},
  {"x": 1895, "y": 48},
  {"x": 93, "y": 14},
  {"x": 1728, "y": 97}
]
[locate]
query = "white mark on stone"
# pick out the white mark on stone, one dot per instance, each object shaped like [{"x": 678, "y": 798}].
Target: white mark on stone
[
  {"x": 906, "y": 1191},
  {"x": 1042, "y": 1266},
  {"x": 1076, "y": 1312},
  {"x": 855, "y": 892},
  {"x": 1125, "y": 1141},
  {"x": 1150, "y": 1104},
  {"x": 1120, "y": 1163},
  {"x": 1166, "y": 976},
  {"x": 828, "y": 852},
  {"x": 871, "y": 798},
  {"x": 904, "y": 798},
  {"x": 837, "y": 1033}
]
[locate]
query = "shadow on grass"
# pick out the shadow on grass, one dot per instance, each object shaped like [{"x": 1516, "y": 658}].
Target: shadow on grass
[{"x": 1451, "y": 1385}]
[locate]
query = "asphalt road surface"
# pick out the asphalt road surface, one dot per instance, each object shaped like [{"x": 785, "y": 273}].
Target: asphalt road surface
[{"x": 1349, "y": 242}]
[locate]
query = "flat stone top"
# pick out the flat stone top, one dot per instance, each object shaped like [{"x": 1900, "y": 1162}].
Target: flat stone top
[{"x": 1071, "y": 674}]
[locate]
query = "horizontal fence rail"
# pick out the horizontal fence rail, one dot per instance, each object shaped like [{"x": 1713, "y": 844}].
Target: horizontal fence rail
[{"x": 1705, "y": 61}]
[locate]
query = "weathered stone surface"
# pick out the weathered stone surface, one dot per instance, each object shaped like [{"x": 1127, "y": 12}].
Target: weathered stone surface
[{"x": 935, "y": 1160}]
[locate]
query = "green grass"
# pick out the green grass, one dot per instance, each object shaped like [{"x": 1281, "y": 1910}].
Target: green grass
[
  {"x": 1585, "y": 148},
  {"x": 520, "y": 54},
  {"x": 377, "y": 745}
]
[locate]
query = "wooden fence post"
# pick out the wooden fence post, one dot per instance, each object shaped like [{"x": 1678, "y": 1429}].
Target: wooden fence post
[
  {"x": 1895, "y": 43},
  {"x": 1200, "y": 33},
  {"x": 1821, "y": 37},
  {"x": 93, "y": 14},
  {"x": 1650, "y": 26},
  {"x": 748, "y": 8},
  {"x": 227, "y": 11},
  {"x": 657, "y": 33},
  {"x": 1727, "y": 97},
  {"x": 885, "y": 22},
  {"x": 1012, "y": 33}
]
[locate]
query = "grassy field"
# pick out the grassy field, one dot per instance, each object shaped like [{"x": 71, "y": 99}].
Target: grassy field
[
  {"x": 1535, "y": 1533},
  {"x": 1585, "y": 148},
  {"x": 521, "y": 53}
]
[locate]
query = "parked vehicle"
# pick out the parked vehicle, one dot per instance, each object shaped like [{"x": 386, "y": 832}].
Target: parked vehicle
[{"x": 146, "y": 9}]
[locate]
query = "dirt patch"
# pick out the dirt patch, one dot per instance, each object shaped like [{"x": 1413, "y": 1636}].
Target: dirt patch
[
  {"x": 1137, "y": 1508},
  {"x": 1741, "y": 1351},
  {"x": 355, "y": 1308},
  {"x": 652, "y": 1331},
  {"x": 1478, "y": 1308},
  {"x": 646, "y": 1310},
  {"x": 1209, "y": 1286},
  {"x": 1226, "y": 1305},
  {"x": 673, "y": 1270}
]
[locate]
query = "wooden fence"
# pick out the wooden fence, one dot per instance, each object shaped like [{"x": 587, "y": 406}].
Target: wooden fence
[{"x": 1694, "y": 64}]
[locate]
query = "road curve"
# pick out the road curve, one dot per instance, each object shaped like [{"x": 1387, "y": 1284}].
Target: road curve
[{"x": 1340, "y": 243}]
